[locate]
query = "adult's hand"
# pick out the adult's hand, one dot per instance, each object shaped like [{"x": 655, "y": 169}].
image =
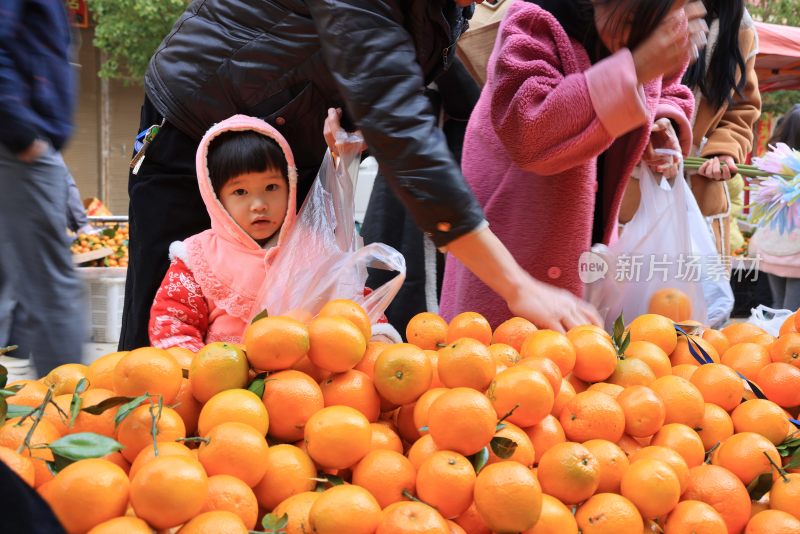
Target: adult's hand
[
  {"x": 545, "y": 306},
  {"x": 662, "y": 136},
  {"x": 332, "y": 126},
  {"x": 674, "y": 41},
  {"x": 34, "y": 151},
  {"x": 719, "y": 168}
]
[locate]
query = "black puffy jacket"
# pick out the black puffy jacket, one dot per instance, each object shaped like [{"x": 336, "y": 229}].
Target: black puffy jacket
[{"x": 287, "y": 61}]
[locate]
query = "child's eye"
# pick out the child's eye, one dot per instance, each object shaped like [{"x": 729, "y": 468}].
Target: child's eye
[
  {"x": 273, "y": 187},
  {"x": 239, "y": 192}
]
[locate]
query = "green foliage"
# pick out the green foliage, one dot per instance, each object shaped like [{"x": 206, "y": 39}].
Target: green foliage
[
  {"x": 786, "y": 12},
  {"x": 779, "y": 102},
  {"x": 129, "y": 31}
]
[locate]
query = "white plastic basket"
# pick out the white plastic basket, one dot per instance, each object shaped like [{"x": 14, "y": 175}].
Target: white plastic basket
[{"x": 105, "y": 290}]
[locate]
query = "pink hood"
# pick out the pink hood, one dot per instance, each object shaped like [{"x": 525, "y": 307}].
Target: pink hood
[{"x": 230, "y": 267}]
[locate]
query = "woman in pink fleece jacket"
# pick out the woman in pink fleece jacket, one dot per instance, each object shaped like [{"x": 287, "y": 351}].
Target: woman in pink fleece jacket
[{"x": 573, "y": 92}]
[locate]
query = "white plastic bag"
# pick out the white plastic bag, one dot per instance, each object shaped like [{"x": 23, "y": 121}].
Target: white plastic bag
[
  {"x": 666, "y": 244},
  {"x": 768, "y": 318},
  {"x": 324, "y": 257}
]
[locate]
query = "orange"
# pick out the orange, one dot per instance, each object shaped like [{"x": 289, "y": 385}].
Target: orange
[
  {"x": 655, "y": 329},
  {"x": 427, "y": 331},
  {"x": 291, "y": 398},
  {"x": 652, "y": 486},
  {"x": 305, "y": 366},
  {"x": 411, "y": 518},
  {"x": 789, "y": 325},
  {"x": 674, "y": 460},
  {"x": 87, "y": 493},
  {"x": 508, "y": 497},
  {"x": 552, "y": 345},
  {"x": 403, "y": 421},
  {"x": 785, "y": 494},
  {"x": 595, "y": 356},
  {"x": 547, "y": 367},
  {"x": 762, "y": 417},
  {"x": 593, "y": 415},
  {"x": 348, "y": 509},
  {"x": 469, "y": 324},
  {"x": 462, "y": 420},
  {"x": 524, "y": 393},
  {"x": 592, "y": 328},
  {"x": 352, "y": 311},
  {"x": 746, "y": 358},
  {"x": 513, "y": 332},
  {"x": 524, "y": 452},
  {"x": 422, "y": 407},
  {"x": 54, "y": 415},
  {"x": 148, "y": 370},
  {"x": 694, "y": 516},
  {"x": 403, "y": 372},
  {"x": 275, "y": 343},
  {"x": 682, "y": 399},
  {"x": 233, "y": 405},
  {"x": 644, "y": 411},
  {"x": 446, "y": 481},
  {"x": 421, "y": 450},
  {"x": 612, "y": 461},
  {"x": 296, "y": 508},
  {"x": 717, "y": 340},
  {"x": 13, "y": 435},
  {"x": 386, "y": 475},
  {"x": 289, "y": 472},
  {"x": 607, "y": 513},
  {"x": 716, "y": 426},
  {"x": 116, "y": 458},
  {"x": 741, "y": 332},
  {"x": 671, "y": 303},
  {"x": 165, "y": 448},
  {"x": 183, "y": 356},
  {"x": 773, "y": 522},
  {"x": 466, "y": 363},
  {"x": 720, "y": 385},
  {"x": 631, "y": 372},
  {"x": 235, "y": 449},
  {"x": 546, "y": 434},
  {"x": 682, "y": 355},
  {"x": 684, "y": 440},
  {"x": 745, "y": 455},
  {"x": 563, "y": 396},
  {"x": 569, "y": 472},
  {"x": 433, "y": 356},
  {"x": 127, "y": 524},
  {"x": 629, "y": 445},
  {"x": 722, "y": 490},
  {"x": 100, "y": 373},
  {"x": 763, "y": 339},
  {"x": 505, "y": 356},
  {"x": 338, "y": 436},
  {"x": 21, "y": 465},
  {"x": 31, "y": 395},
  {"x": 187, "y": 407},
  {"x": 230, "y": 494},
  {"x": 780, "y": 382},
  {"x": 217, "y": 367},
  {"x": 612, "y": 390},
  {"x": 797, "y": 320},
  {"x": 134, "y": 432},
  {"x": 336, "y": 344},
  {"x": 65, "y": 378},
  {"x": 472, "y": 522},
  {"x": 384, "y": 438},
  {"x": 367, "y": 363},
  {"x": 555, "y": 518},
  {"x": 684, "y": 370},
  {"x": 786, "y": 349},
  {"x": 355, "y": 389},
  {"x": 215, "y": 521}
]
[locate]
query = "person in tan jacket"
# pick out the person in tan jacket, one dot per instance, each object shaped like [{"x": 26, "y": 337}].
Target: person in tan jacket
[{"x": 728, "y": 104}]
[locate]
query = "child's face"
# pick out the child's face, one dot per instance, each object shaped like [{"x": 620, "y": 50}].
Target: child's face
[{"x": 257, "y": 201}]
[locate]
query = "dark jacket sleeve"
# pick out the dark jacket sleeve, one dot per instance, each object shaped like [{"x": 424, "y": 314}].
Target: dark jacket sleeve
[
  {"x": 15, "y": 113},
  {"x": 374, "y": 63}
]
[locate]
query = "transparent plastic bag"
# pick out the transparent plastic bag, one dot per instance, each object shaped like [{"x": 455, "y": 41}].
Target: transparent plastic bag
[
  {"x": 667, "y": 244},
  {"x": 323, "y": 257},
  {"x": 769, "y": 319}
]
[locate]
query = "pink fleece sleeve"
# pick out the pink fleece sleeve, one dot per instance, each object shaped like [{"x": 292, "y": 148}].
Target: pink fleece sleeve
[
  {"x": 677, "y": 104},
  {"x": 549, "y": 122}
]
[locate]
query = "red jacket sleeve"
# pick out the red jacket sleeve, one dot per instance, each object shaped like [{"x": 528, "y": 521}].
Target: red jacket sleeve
[{"x": 179, "y": 315}]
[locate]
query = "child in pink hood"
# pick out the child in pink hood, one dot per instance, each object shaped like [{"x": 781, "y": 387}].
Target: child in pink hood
[
  {"x": 248, "y": 180},
  {"x": 576, "y": 90}
]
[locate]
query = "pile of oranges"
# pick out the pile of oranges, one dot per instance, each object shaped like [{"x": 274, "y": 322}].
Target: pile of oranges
[
  {"x": 113, "y": 237},
  {"x": 315, "y": 428}
]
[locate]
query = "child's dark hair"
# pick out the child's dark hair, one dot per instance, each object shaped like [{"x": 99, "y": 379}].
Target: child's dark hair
[
  {"x": 234, "y": 153},
  {"x": 788, "y": 129}
]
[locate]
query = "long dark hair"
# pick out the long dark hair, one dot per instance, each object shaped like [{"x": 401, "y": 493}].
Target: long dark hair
[
  {"x": 788, "y": 129},
  {"x": 717, "y": 79}
]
